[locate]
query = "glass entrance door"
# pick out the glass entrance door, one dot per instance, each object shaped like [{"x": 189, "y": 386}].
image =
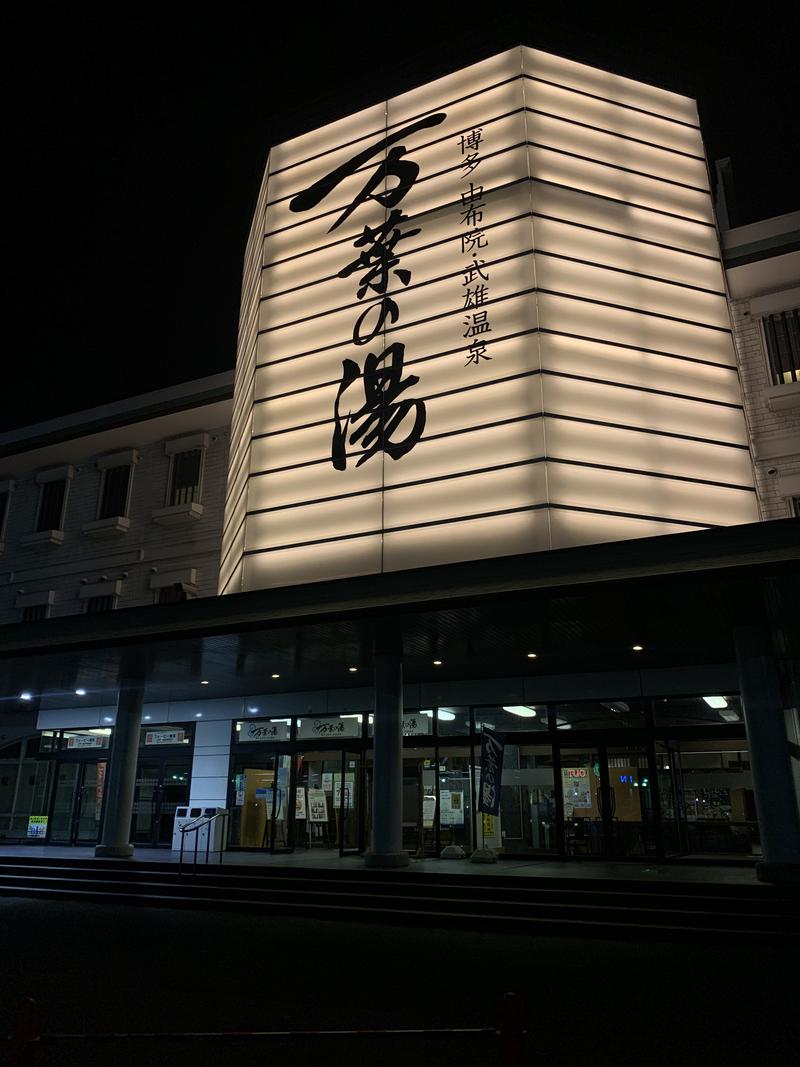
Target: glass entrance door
[
  {"x": 349, "y": 804},
  {"x": 281, "y": 820},
  {"x": 161, "y": 786},
  {"x": 77, "y": 803},
  {"x": 608, "y": 802}
]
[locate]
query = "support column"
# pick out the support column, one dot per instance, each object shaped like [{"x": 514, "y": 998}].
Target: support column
[
  {"x": 387, "y": 771},
  {"x": 121, "y": 778},
  {"x": 776, "y": 801}
]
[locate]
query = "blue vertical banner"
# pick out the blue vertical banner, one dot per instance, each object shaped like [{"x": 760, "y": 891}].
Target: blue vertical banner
[{"x": 491, "y": 771}]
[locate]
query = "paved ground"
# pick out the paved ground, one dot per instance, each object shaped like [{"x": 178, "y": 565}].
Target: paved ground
[
  {"x": 653, "y": 872},
  {"x": 94, "y": 968}
]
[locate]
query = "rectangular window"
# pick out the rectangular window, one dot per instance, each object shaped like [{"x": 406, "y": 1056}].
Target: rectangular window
[
  {"x": 35, "y": 612},
  {"x": 185, "y": 482},
  {"x": 97, "y": 604},
  {"x": 114, "y": 492},
  {"x": 51, "y": 506},
  {"x": 171, "y": 594},
  {"x": 782, "y": 332}
]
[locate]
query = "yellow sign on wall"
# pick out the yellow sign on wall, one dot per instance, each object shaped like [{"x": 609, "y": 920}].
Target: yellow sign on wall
[{"x": 484, "y": 317}]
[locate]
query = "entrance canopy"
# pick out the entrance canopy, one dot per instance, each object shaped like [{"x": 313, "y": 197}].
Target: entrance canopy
[{"x": 550, "y": 613}]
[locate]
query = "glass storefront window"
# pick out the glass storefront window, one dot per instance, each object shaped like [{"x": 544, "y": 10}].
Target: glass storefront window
[
  {"x": 251, "y": 807},
  {"x": 527, "y": 800},
  {"x": 419, "y": 801},
  {"x": 455, "y": 797},
  {"x": 711, "y": 710},
  {"x": 49, "y": 741},
  {"x": 716, "y": 801},
  {"x": 512, "y": 718},
  {"x": 600, "y": 715},
  {"x": 452, "y": 722}
]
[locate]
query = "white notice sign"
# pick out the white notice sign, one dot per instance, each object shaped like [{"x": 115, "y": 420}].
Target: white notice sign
[{"x": 317, "y": 806}]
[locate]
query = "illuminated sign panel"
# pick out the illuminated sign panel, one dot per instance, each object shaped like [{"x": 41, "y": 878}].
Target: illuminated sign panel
[{"x": 484, "y": 317}]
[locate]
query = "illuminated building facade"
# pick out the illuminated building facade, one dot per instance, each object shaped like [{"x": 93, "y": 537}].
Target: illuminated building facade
[{"x": 489, "y": 467}]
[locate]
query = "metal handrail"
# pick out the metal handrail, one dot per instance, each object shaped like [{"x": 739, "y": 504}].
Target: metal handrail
[{"x": 194, "y": 827}]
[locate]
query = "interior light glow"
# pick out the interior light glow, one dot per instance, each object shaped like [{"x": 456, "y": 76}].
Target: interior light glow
[
  {"x": 638, "y": 648},
  {"x": 716, "y": 702},
  {"x": 729, "y": 715},
  {"x": 198, "y": 715},
  {"x": 522, "y": 710},
  {"x": 26, "y": 696},
  {"x": 108, "y": 718},
  {"x": 359, "y": 717},
  {"x": 531, "y": 655},
  {"x": 204, "y": 682},
  {"x": 80, "y": 692},
  {"x": 253, "y": 711},
  {"x": 442, "y": 714},
  {"x": 147, "y": 718},
  {"x": 437, "y": 663},
  {"x": 352, "y": 669},
  {"x": 276, "y": 676}
]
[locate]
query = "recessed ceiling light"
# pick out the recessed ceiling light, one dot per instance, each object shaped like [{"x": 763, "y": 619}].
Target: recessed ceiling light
[
  {"x": 198, "y": 715},
  {"x": 108, "y": 718},
  {"x": 638, "y": 648},
  {"x": 204, "y": 682},
  {"x": 253, "y": 711},
  {"x": 26, "y": 696},
  {"x": 352, "y": 669},
  {"x": 147, "y": 718},
  {"x": 80, "y": 692},
  {"x": 531, "y": 655},
  {"x": 276, "y": 676},
  {"x": 437, "y": 663},
  {"x": 716, "y": 702}
]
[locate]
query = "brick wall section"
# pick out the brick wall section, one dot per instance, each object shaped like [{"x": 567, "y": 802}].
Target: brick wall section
[
  {"x": 763, "y": 423},
  {"x": 144, "y": 547}
]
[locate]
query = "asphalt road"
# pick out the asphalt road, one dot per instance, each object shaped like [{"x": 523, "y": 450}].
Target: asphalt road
[{"x": 98, "y": 968}]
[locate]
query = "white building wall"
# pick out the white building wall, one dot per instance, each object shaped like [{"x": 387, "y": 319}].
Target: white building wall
[
  {"x": 763, "y": 277},
  {"x": 130, "y": 564}
]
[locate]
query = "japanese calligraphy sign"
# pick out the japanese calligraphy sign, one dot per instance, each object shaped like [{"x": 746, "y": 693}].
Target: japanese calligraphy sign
[
  {"x": 492, "y": 745},
  {"x": 482, "y": 318}
]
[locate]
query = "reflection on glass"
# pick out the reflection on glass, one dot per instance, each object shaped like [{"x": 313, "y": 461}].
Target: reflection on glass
[
  {"x": 251, "y": 807},
  {"x": 717, "y": 802},
  {"x": 90, "y": 802},
  {"x": 631, "y": 796},
  {"x": 600, "y": 715},
  {"x": 528, "y": 800},
  {"x": 277, "y": 801},
  {"x": 419, "y": 801},
  {"x": 455, "y": 798},
  {"x": 453, "y": 722},
  {"x": 64, "y": 803},
  {"x": 512, "y": 718},
  {"x": 316, "y": 823},
  {"x": 713, "y": 709},
  {"x": 580, "y": 786}
]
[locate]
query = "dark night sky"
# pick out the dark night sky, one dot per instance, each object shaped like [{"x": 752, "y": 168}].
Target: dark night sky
[{"x": 137, "y": 149}]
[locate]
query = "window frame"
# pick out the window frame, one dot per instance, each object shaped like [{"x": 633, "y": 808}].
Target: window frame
[{"x": 774, "y": 380}]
